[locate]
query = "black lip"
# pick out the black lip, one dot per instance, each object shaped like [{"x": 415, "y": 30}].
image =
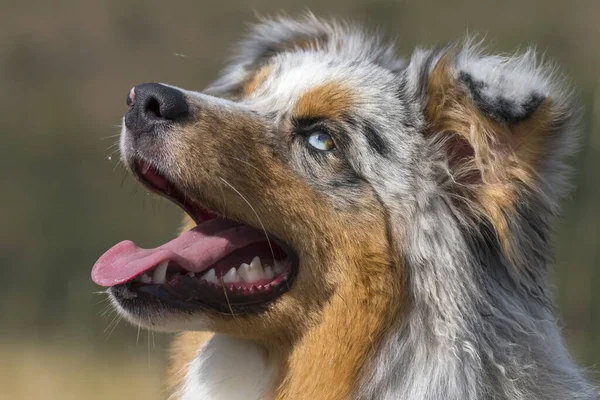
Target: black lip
[
  {"x": 186, "y": 295},
  {"x": 135, "y": 297}
]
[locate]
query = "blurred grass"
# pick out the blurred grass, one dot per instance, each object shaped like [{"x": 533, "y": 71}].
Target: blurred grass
[
  {"x": 65, "y": 68},
  {"x": 64, "y": 372}
]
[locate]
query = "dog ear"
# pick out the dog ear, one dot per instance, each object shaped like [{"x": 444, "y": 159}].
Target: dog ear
[
  {"x": 502, "y": 126},
  {"x": 264, "y": 41},
  {"x": 272, "y": 37}
]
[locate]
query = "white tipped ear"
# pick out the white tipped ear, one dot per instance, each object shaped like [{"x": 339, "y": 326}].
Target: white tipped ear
[
  {"x": 506, "y": 89},
  {"x": 264, "y": 41},
  {"x": 504, "y": 124},
  {"x": 272, "y": 37}
]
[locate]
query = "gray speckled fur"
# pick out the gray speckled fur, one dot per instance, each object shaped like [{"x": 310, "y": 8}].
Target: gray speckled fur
[{"x": 479, "y": 326}]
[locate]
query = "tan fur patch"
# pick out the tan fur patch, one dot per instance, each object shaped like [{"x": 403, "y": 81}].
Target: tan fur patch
[
  {"x": 505, "y": 157},
  {"x": 326, "y": 363},
  {"x": 330, "y": 100},
  {"x": 257, "y": 79}
]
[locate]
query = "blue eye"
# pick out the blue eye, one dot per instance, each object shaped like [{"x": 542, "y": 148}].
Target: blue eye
[{"x": 321, "y": 141}]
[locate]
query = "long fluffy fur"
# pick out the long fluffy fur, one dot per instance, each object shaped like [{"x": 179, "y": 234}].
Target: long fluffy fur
[{"x": 481, "y": 323}]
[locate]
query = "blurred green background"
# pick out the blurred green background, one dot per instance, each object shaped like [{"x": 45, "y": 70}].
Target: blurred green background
[{"x": 65, "y": 69}]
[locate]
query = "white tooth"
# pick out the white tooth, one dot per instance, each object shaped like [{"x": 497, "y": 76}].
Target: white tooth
[
  {"x": 145, "y": 278},
  {"x": 145, "y": 167},
  {"x": 210, "y": 276},
  {"x": 231, "y": 276},
  {"x": 160, "y": 272},
  {"x": 269, "y": 274},
  {"x": 253, "y": 272},
  {"x": 256, "y": 263},
  {"x": 191, "y": 274}
]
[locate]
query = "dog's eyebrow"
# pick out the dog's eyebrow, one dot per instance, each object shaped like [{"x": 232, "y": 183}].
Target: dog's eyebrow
[
  {"x": 330, "y": 100},
  {"x": 306, "y": 122}
]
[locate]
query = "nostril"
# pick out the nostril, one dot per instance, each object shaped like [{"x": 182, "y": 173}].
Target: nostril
[
  {"x": 154, "y": 105},
  {"x": 153, "y": 109}
]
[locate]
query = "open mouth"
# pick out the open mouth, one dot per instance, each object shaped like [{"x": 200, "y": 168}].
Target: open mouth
[{"x": 220, "y": 265}]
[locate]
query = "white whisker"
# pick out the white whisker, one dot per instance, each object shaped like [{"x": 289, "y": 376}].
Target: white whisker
[
  {"x": 255, "y": 213},
  {"x": 137, "y": 337}
]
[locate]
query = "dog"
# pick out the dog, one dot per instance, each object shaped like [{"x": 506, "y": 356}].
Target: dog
[{"x": 359, "y": 226}]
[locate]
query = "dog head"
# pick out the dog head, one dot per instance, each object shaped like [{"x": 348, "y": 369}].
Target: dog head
[{"x": 312, "y": 170}]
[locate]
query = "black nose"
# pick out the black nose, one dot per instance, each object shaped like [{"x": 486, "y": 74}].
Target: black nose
[{"x": 154, "y": 105}]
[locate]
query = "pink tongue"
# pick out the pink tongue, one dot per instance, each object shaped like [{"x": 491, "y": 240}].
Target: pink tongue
[{"x": 195, "y": 251}]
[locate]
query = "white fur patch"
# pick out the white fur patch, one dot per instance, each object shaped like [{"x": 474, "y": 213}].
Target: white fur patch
[{"x": 229, "y": 368}]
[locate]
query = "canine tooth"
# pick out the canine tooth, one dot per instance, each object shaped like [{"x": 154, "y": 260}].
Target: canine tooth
[
  {"x": 210, "y": 276},
  {"x": 231, "y": 276},
  {"x": 269, "y": 274},
  {"x": 160, "y": 272},
  {"x": 145, "y": 278},
  {"x": 191, "y": 274},
  {"x": 256, "y": 263}
]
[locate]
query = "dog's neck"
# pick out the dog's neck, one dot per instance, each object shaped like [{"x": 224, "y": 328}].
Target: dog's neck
[
  {"x": 229, "y": 368},
  {"x": 480, "y": 325}
]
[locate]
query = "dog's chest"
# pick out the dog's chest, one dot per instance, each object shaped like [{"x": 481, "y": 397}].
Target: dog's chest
[{"x": 228, "y": 368}]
